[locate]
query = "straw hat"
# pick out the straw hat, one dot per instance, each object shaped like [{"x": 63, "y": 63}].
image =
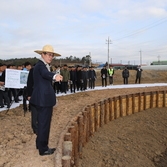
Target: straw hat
[{"x": 47, "y": 48}]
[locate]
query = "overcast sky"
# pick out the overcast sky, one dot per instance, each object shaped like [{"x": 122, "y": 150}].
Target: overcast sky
[{"x": 136, "y": 29}]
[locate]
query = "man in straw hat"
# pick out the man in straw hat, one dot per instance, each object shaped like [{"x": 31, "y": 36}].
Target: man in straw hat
[{"x": 43, "y": 97}]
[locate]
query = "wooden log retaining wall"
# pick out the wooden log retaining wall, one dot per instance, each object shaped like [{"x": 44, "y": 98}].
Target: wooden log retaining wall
[{"x": 96, "y": 115}]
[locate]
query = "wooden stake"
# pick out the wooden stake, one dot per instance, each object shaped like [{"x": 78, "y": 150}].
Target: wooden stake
[
  {"x": 133, "y": 103},
  {"x": 121, "y": 106},
  {"x": 67, "y": 137},
  {"x": 67, "y": 148},
  {"x": 157, "y": 98},
  {"x": 84, "y": 127},
  {"x": 96, "y": 116},
  {"x": 164, "y": 98},
  {"x": 66, "y": 161},
  {"x": 80, "y": 135},
  {"x": 101, "y": 113},
  {"x": 76, "y": 157}
]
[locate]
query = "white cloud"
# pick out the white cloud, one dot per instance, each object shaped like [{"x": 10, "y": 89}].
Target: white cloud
[{"x": 157, "y": 12}]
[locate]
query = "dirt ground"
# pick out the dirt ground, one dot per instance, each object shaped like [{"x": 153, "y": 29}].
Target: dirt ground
[{"x": 138, "y": 140}]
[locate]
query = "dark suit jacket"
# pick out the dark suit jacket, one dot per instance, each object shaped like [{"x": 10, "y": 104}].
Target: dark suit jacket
[
  {"x": 2, "y": 78},
  {"x": 30, "y": 82},
  {"x": 43, "y": 94},
  {"x": 73, "y": 75},
  {"x": 139, "y": 71},
  {"x": 104, "y": 72}
]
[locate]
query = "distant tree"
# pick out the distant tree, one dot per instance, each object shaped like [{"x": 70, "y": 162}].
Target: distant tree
[
  {"x": 84, "y": 60},
  {"x": 56, "y": 60},
  {"x": 71, "y": 58},
  {"x": 88, "y": 60}
]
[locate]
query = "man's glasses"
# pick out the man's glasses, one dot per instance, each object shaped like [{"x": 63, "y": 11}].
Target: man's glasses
[{"x": 49, "y": 54}]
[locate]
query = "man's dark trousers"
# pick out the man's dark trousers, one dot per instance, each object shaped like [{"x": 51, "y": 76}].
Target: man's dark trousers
[
  {"x": 34, "y": 118},
  {"x": 44, "y": 120}
]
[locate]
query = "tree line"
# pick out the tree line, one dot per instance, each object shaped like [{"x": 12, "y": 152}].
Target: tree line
[{"x": 86, "y": 61}]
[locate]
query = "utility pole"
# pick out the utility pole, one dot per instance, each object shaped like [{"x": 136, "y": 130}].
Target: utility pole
[
  {"x": 108, "y": 42},
  {"x": 111, "y": 60},
  {"x": 140, "y": 57}
]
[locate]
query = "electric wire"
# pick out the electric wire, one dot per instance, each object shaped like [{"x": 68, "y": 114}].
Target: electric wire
[{"x": 152, "y": 25}]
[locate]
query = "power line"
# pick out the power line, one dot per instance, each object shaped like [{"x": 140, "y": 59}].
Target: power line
[{"x": 144, "y": 28}]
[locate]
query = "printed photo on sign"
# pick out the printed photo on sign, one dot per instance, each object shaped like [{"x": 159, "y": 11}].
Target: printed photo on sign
[{"x": 23, "y": 78}]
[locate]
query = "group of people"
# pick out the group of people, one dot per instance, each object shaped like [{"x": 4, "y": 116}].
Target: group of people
[
  {"x": 74, "y": 78},
  {"x": 42, "y": 84},
  {"x": 9, "y": 95},
  {"x": 109, "y": 73},
  {"x": 125, "y": 75},
  {"x": 40, "y": 93}
]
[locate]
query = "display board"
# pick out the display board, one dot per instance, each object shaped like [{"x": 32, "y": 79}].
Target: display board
[{"x": 16, "y": 78}]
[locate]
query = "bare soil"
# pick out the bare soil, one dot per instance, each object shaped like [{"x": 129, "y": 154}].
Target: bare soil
[
  {"x": 134, "y": 141},
  {"x": 139, "y": 140}
]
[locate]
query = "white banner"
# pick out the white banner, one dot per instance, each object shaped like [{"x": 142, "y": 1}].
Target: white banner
[{"x": 16, "y": 78}]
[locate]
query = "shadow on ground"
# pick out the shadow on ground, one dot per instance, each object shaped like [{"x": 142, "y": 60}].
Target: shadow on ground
[{"x": 160, "y": 160}]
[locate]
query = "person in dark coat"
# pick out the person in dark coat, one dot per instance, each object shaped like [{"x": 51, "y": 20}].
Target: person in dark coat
[
  {"x": 27, "y": 67},
  {"x": 79, "y": 77},
  {"x": 92, "y": 77},
  {"x": 84, "y": 78},
  {"x": 73, "y": 79},
  {"x": 3, "y": 91},
  {"x": 57, "y": 85},
  {"x": 29, "y": 90},
  {"x": 104, "y": 76},
  {"x": 66, "y": 76},
  {"x": 125, "y": 75},
  {"x": 138, "y": 74},
  {"x": 43, "y": 97}
]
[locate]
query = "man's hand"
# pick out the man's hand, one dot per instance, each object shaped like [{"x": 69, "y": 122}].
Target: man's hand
[
  {"x": 58, "y": 77},
  {"x": 2, "y": 83},
  {"x": 28, "y": 98}
]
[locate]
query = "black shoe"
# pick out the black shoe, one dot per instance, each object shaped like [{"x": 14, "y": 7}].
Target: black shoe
[
  {"x": 2, "y": 107},
  {"x": 16, "y": 101},
  {"x": 48, "y": 152}
]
